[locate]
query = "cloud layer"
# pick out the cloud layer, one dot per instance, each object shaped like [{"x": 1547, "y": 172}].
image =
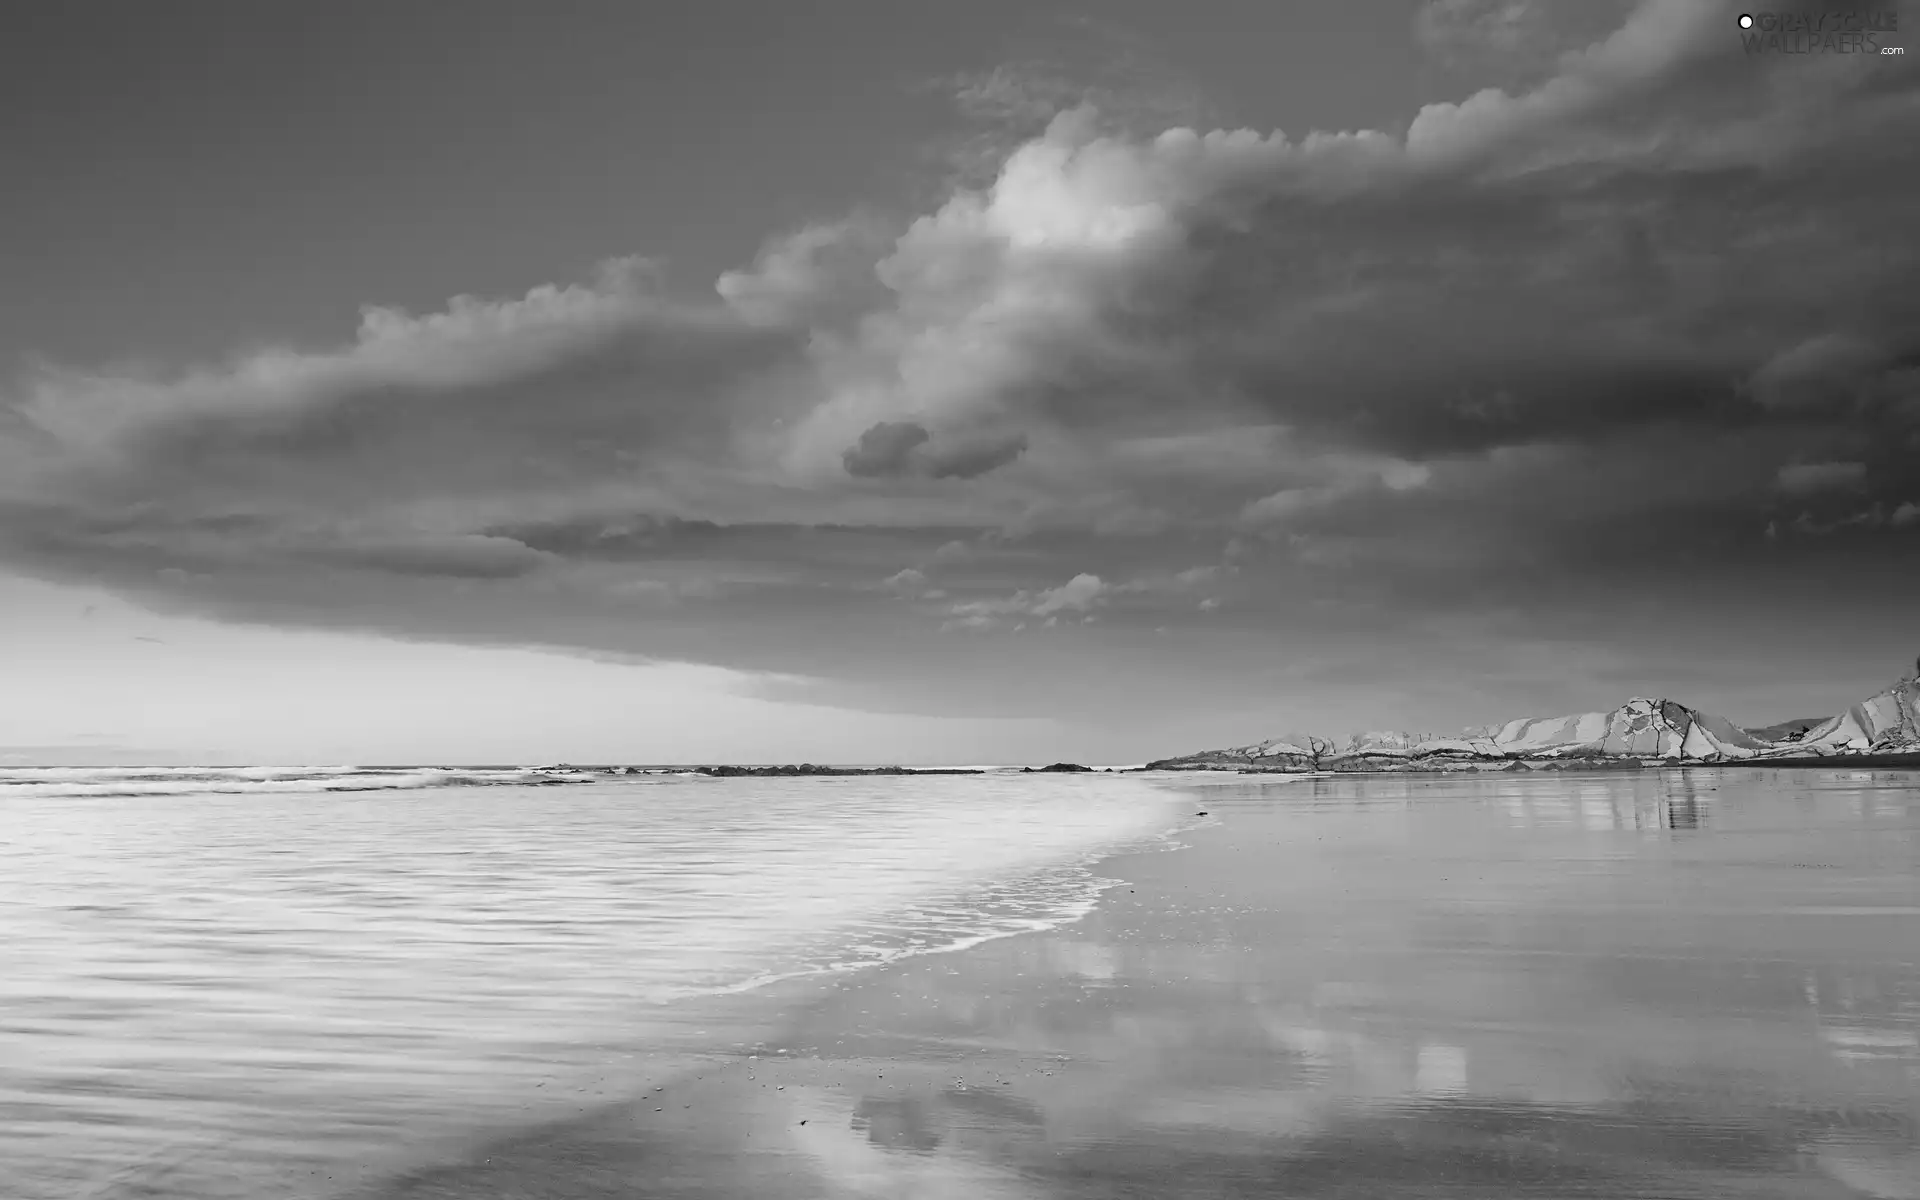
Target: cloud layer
[{"x": 1652, "y": 321}]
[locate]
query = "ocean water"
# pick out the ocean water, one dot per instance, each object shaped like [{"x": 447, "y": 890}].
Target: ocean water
[
  {"x": 1656, "y": 984},
  {"x": 1689, "y": 984},
  {"x": 230, "y": 983}
]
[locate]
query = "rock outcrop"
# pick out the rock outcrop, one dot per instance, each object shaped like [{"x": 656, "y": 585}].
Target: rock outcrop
[
  {"x": 1290, "y": 753},
  {"x": 1887, "y": 722},
  {"x": 1787, "y": 731},
  {"x": 1640, "y": 728},
  {"x": 1640, "y": 732}
]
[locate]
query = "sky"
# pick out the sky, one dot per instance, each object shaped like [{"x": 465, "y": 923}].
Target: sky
[{"x": 882, "y": 382}]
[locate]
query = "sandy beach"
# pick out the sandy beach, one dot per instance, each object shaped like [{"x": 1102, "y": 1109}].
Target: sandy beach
[{"x": 1336, "y": 988}]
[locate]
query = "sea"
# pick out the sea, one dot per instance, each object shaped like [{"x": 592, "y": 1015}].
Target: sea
[
  {"x": 214, "y": 982},
  {"x": 244, "y": 983}
]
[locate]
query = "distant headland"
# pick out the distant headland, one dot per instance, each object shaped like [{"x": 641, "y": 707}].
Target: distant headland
[{"x": 1882, "y": 730}]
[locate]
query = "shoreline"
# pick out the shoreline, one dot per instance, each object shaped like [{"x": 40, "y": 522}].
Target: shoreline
[
  {"x": 602, "y": 920},
  {"x": 715, "y": 1053},
  {"x": 1257, "y": 1003}
]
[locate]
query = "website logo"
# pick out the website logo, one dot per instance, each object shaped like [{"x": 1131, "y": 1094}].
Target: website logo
[{"x": 1810, "y": 31}]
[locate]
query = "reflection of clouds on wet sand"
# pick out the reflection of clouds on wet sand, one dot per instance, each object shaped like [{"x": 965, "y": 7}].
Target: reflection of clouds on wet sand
[
  {"x": 900, "y": 1148},
  {"x": 1643, "y": 988},
  {"x": 1087, "y": 960},
  {"x": 1442, "y": 1070},
  {"x": 1855, "y": 1042},
  {"x": 1868, "y": 1020}
]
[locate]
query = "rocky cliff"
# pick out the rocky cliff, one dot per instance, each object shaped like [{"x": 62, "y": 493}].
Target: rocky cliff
[
  {"x": 1885, "y": 723},
  {"x": 1640, "y": 732}
]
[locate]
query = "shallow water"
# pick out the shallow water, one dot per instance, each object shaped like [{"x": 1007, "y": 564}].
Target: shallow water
[
  {"x": 1654, "y": 984},
  {"x": 1649, "y": 985},
  {"x": 203, "y": 991},
  {"x": 1663, "y": 983}
]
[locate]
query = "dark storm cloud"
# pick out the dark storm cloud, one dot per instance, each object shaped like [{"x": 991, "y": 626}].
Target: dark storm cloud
[
  {"x": 966, "y": 457},
  {"x": 1611, "y": 328},
  {"x": 883, "y": 449},
  {"x": 893, "y": 448}
]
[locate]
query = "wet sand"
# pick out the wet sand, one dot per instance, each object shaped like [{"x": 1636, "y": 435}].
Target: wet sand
[{"x": 1684, "y": 984}]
